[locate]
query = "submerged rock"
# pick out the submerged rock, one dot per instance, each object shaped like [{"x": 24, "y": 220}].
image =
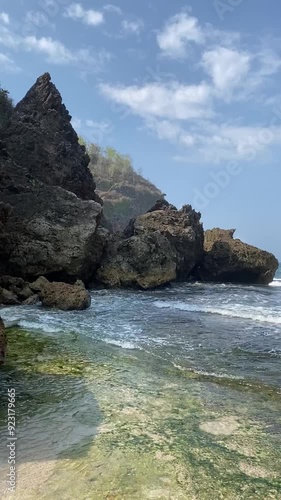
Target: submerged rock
[
  {"x": 230, "y": 260},
  {"x": 3, "y": 342},
  {"x": 64, "y": 296},
  {"x": 158, "y": 247}
]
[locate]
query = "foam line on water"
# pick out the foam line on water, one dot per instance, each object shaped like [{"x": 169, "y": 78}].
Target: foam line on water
[{"x": 263, "y": 317}]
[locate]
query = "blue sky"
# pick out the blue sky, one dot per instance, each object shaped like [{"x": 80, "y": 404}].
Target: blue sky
[{"x": 191, "y": 92}]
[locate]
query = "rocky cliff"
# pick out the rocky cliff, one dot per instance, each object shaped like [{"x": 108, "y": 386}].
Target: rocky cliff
[
  {"x": 40, "y": 137},
  {"x": 51, "y": 218},
  {"x": 50, "y": 215},
  {"x": 229, "y": 259}
]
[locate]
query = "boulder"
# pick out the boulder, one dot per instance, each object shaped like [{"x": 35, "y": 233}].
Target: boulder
[
  {"x": 39, "y": 284},
  {"x": 8, "y": 298},
  {"x": 3, "y": 342},
  {"x": 14, "y": 290},
  {"x": 230, "y": 260},
  {"x": 182, "y": 229},
  {"x": 144, "y": 261},
  {"x": 31, "y": 301},
  {"x": 64, "y": 296},
  {"x": 156, "y": 248}
]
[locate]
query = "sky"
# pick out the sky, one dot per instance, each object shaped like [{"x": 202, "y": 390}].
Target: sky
[{"x": 191, "y": 91}]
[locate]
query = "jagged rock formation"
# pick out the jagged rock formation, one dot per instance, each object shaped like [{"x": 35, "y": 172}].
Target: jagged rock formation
[
  {"x": 3, "y": 342},
  {"x": 62, "y": 295},
  {"x": 158, "y": 247},
  {"x": 230, "y": 260},
  {"x": 45, "y": 229},
  {"x": 40, "y": 137},
  {"x": 51, "y": 218}
]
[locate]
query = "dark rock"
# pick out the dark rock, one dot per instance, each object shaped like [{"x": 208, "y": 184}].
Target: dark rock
[
  {"x": 25, "y": 293},
  {"x": 159, "y": 247},
  {"x": 161, "y": 204},
  {"x": 49, "y": 215},
  {"x": 3, "y": 342},
  {"x": 144, "y": 261},
  {"x": 40, "y": 138},
  {"x": 39, "y": 284},
  {"x": 230, "y": 260},
  {"x": 64, "y": 296},
  {"x": 8, "y": 298},
  {"x": 183, "y": 230},
  {"x": 14, "y": 290},
  {"x": 34, "y": 299},
  {"x": 50, "y": 230}
]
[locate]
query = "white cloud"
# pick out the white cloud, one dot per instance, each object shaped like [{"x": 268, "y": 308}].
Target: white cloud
[
  {"x": 132, "y": 27},
  {"x": 172, "y": 100},
  {"x": 8, "y": 65},
  {"x": 9, "y": 39},
  {"x": 210, "y": 143},
  {"x": 113, "y": 9},
  {"x": 185, "y": 114},
  {"x": 178, "y": 32},
  {"x": 55, "y": 51},
  {"x": 90, "y": 17},
  {"x": 227, "y": 67},
  {"x": 4, "y": 18},
  {"x": 171, "y": 131}
]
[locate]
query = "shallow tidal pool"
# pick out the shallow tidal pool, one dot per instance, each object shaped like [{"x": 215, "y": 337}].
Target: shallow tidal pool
[{"x": 100, "y": 422}]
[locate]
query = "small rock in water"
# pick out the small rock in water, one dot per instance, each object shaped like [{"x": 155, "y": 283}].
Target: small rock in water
[{"x": 64, "y": 296}]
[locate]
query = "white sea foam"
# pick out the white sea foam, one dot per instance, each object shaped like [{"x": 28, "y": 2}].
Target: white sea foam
[
  {"x": 122, "y": 343},
  {"x": 275, "y": 282},
  {"x": 256, "y": 314}
]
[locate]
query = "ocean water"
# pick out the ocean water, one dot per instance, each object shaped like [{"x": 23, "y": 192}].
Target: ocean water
[{"x": 172, "y": 393}]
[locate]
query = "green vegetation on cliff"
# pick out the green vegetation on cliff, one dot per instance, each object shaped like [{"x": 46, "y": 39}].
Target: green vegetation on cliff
[{"x": 125, "y": 192}]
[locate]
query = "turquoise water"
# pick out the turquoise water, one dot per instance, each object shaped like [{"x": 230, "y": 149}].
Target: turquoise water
[{"x": 173, "y": 393}]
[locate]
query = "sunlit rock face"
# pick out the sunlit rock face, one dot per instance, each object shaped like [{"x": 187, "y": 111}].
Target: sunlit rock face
[
  {"x": 229, "y": 259},
  {"x": 158, "y": 247}
]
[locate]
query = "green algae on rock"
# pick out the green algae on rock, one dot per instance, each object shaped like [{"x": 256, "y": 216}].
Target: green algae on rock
[{"x": 101, "y": 423}]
